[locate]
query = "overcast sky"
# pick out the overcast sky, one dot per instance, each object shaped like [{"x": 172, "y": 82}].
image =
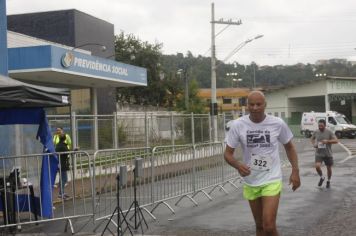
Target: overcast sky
[{"x": 294, "y": 31}]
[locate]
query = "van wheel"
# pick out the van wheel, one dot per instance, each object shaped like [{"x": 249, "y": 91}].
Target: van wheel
[
  {"x": 338, "y": 134},
  {"x": 307, "y": 134}
]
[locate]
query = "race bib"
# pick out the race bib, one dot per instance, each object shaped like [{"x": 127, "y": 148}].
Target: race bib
[
  {"x": 260, "y": 162},
  {"x": 321, "y": 145}
]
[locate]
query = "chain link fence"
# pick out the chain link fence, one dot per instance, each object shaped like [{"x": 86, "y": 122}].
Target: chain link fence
[{"x": 141, "y": 129}]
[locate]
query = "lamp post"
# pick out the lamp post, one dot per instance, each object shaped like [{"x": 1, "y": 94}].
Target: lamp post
[
  {"x": 240, "y": 46},
  {"x": 235, "y": 80},
  {"x": 326, "y": 97},
  {"x": 233, "y": 74},
  {"x": 320, "y": 75},
  {"x": 183, "y": 72},
  {"x": 213, "y": 105}
]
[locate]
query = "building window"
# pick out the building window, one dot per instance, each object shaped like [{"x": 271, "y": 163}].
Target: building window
[
  {"x": 227, "y": 101},
  {"x": 283, "y": 115},
  {"x": 276, "y": 114},
  {"x": 242, "y": 101}
]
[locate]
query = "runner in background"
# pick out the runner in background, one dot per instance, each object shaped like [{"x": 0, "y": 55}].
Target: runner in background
[{"x": 322, "y": 139}]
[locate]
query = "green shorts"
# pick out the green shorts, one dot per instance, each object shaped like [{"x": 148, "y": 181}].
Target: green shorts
[{"x": 266, "y": 190}]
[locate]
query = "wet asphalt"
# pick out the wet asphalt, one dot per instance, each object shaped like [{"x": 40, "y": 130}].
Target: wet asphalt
[
  {"x": 310, "y": 210},
  {"x": 302, "y": 212}
]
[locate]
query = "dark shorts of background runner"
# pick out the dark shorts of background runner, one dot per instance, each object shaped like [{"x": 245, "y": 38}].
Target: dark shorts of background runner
[{"x": 329, "y": 161}]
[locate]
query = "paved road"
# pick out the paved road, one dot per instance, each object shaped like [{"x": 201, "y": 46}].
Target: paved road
[{"x": 309, "y": 211}]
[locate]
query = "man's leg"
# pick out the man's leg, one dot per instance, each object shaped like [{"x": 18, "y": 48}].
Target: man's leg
[
  {"x": 61, "y": 184},
  {"x": 329, "y": 170},
  {"x": 269, "y": 216},
  {"x": 320, "y": 172},
  {"x": 256, "y": 208},
  {"x": 318, "y": 168},
  {"x": 328, "y": 162},
  {"x": 65, "y": 179}
]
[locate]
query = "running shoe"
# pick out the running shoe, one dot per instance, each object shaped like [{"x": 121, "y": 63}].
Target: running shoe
[
  {"x": 321, "y": 181},
  {"x": 327, "y": 184}
]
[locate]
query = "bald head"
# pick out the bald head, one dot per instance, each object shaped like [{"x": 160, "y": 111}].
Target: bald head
[
  {"x": 256, "y": 103},
  {"x": 256, "y": 95}
]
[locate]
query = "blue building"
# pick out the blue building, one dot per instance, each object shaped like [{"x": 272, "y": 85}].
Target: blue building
[{"x": 65, "y": 49}]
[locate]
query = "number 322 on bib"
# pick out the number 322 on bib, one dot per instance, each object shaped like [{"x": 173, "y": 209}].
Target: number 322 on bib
[{"x": 260, "y": 163}]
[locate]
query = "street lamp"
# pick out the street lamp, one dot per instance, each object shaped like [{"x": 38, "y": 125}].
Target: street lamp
[
  {"x": 233, "y": 74},
  {"x": 241, "y": 45},
  {"x": 214, "y": 105},
  {"x": 235, "y": 80},
  {"x": 320, "y": 75},
  {"x": 183, "y": 72}
]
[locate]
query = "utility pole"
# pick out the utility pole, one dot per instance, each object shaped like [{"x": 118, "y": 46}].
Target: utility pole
[
  {"x": 183, "y": 72},
  {"x": 254, "y": 76},
  {"x": 214, "y": 105},
  {"x": 186, "y": 88}
]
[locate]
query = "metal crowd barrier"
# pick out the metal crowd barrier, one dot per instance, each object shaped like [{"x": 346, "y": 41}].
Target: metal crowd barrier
[
  {"x": 173, "y": 173},
  {"x": 23, "y": 201},
  {"x": 168, "y": 173},
  {"x": 106, "y": 168}
]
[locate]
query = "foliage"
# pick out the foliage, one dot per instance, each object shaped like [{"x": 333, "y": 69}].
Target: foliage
[
  {"x": 131, "y": 50},
  {"x": 166, "y": 87},
  {"x": 196, "y": 104},
  {"x": 264, "y": 76}
]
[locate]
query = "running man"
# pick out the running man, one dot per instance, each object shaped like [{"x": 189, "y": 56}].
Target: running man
[
  {"x": 259, "y": 135},
  {"x": 322, "y": 139}
]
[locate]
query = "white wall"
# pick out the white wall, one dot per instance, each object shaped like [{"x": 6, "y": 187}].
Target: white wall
[{"x": 287, "y": 100}]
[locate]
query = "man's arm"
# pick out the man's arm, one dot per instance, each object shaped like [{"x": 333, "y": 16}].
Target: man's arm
[
  {"x": 293, "y": 159},
  {"x": 332, "y": 140},
  {"x": 312, "y": 140},
  {"x": 243, "y": 169}
]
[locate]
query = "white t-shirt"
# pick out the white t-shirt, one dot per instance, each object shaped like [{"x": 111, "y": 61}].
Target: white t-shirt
[{"x": 259, "y": 143}]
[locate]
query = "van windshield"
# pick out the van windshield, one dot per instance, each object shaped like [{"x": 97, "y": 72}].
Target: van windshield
[{"x": 342, "y": 120}]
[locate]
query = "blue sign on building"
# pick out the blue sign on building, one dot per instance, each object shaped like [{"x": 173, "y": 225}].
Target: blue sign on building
[{"x": 53, "y": 58}]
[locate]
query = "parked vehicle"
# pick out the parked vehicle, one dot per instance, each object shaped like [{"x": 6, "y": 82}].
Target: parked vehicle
[{"x": 336, "y": 122}]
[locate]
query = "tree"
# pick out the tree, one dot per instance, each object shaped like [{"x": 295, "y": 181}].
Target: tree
[
  {"x": 131, "y": 50},
  {"x": 196, "y": 104}
]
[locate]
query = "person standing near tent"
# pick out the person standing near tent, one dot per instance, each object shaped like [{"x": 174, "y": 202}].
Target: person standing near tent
[
  {"x": 59, "y": 132},
  {"x": 62, "y": 143}
]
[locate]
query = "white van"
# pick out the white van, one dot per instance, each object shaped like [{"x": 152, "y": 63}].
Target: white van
[{"x": 336, "y": 122}]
